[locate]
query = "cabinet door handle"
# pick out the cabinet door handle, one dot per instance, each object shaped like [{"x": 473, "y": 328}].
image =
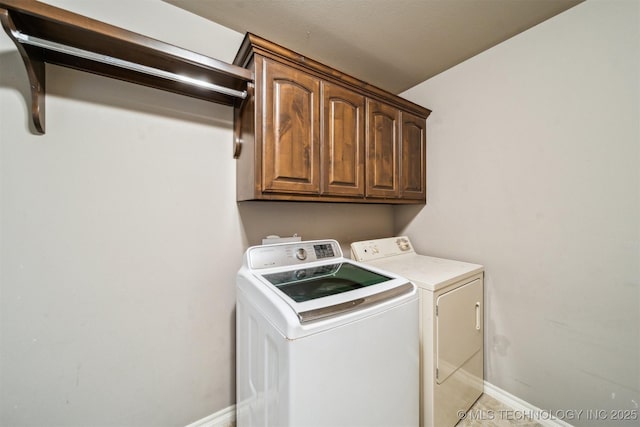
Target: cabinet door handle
[{"x": 477, "y": 316}]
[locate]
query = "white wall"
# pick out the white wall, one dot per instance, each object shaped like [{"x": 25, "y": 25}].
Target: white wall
[
  {"x": 533, "y": 171},
  {"x": 120, "y": 239}
]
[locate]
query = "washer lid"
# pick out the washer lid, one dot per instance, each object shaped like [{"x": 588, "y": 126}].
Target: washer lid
[
  {"x": 317, "y": 283},
  {"x": 324, "y": 291}
]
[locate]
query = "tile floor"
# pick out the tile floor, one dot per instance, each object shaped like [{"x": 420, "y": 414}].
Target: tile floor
[{"x": 488, "y": 412}]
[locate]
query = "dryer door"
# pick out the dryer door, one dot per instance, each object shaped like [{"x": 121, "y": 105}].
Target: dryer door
[{"x": 458, "y": 328}]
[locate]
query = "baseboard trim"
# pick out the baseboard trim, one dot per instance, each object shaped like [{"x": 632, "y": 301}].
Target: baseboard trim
[
  {"x": 223, "y": 418},
  {"x": 540, "y": 416},
  {"x": 227, "y": 417}
]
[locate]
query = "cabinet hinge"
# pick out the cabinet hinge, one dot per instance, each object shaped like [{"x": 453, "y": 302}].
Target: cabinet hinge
[
  {"x": 436, "y": 310},
  {"x": 437, "y": 373}
]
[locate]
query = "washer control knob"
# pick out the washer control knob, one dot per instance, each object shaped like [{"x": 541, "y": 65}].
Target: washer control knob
[{"x": 301, "y": 254}]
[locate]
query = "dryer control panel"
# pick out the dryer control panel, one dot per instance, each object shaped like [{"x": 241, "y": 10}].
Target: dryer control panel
[{"x": 370, "y": 250}]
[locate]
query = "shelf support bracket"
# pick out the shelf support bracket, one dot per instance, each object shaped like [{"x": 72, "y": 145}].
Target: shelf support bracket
[{"x": 35, "y": 65}]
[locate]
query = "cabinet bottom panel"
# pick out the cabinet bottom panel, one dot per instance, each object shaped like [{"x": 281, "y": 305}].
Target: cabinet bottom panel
[{"x": 332, "y": 199}]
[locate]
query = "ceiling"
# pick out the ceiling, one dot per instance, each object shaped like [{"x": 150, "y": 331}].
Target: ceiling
[{"x": 393, "y": 44}]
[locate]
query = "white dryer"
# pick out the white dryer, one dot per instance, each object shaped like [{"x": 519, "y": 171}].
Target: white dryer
[{"x": 451, "y": 325}]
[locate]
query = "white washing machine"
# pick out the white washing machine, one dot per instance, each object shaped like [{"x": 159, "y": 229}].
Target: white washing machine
[
  {"x": 451, "y": 325},
  {"x": 324, "y": 341}
]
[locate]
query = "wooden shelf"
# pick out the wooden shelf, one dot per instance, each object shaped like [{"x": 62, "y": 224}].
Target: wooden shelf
[{"x": 42, "y": 21}]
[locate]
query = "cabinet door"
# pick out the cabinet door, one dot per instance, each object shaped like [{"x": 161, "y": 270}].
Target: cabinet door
[
  {"x": 413, "y": 154},
  {"x": 291, "y": 151},
  {"x": 382, "y": 150},
  {"x": 342, "y": 141}
]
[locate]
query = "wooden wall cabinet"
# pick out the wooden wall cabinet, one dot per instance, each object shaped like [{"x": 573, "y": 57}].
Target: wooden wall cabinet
[{"x": 311, "y": 133}]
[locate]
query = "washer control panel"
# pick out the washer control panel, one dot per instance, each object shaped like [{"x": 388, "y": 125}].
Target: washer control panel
[
  {"x": 370, "y": 250},
  {"x": 294, "y": 253}
]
